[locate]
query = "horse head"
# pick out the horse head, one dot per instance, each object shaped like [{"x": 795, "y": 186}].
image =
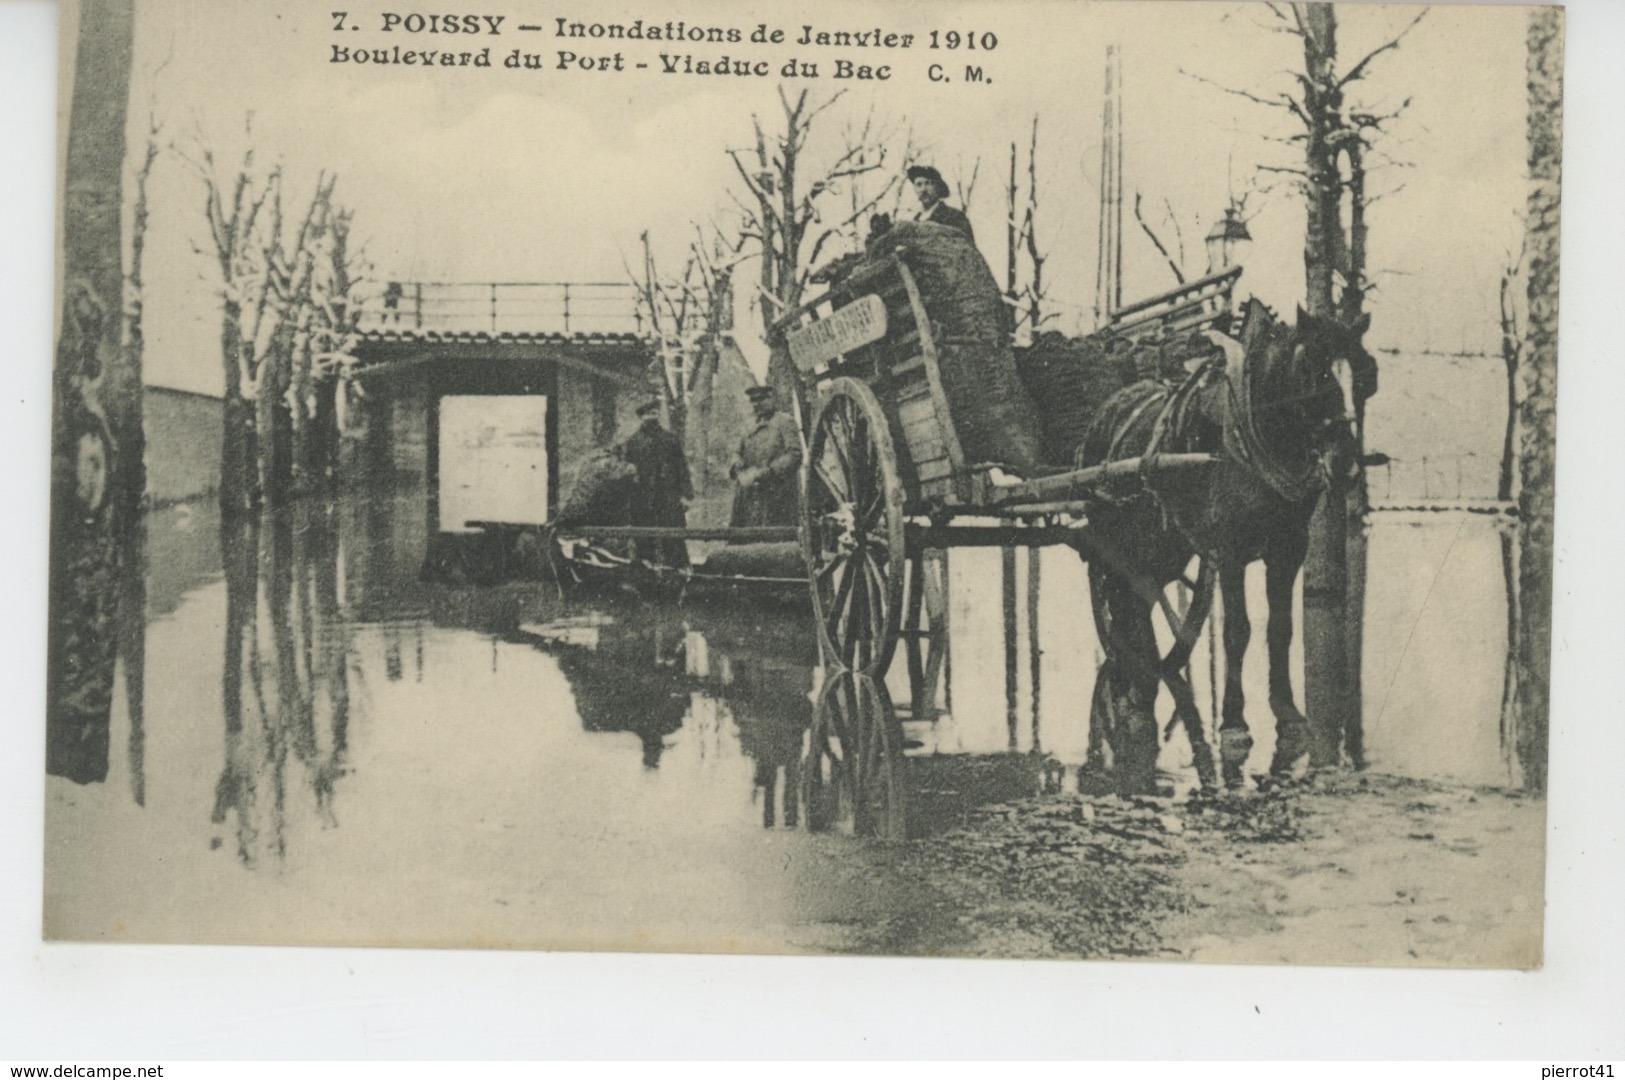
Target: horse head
[
  {"x": 1302, "y": 394},
  {"x": 1333, "y": 376}
]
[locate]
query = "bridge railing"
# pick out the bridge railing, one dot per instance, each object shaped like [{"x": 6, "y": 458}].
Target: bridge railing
[
  {"x": 506, "y": 307},
  {"x": 1192, "y": 306}
]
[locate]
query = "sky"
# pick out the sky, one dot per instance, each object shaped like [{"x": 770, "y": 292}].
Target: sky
[{"x": 474, "y": 174}]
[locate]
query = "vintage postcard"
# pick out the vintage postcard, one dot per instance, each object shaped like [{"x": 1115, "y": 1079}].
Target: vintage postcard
[{"x": 1036, "y": 479}]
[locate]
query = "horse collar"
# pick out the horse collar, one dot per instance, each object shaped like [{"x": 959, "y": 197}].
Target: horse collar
[{"x": 1293, "y": 481}]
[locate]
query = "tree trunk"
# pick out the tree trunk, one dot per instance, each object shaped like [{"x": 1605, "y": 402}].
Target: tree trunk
[
  {"x": 1322, "y": 181},
  {"x": 1538, "y": 413},
  {"x": 96, "y": 415},
  {"x": 1511, "y": 348},
  {"x": 1331, "y": 685},
  {"x": 1327, "y": 691}
]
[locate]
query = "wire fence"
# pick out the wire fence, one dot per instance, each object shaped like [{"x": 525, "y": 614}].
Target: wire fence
[{"x": 1465, "y": 477}]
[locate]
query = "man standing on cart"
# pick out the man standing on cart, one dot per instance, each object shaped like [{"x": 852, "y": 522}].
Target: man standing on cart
[
  {"x": 767, "y": 466},
  {"x": 930, "y": 188},
  {"x": 663, "y": 485}
]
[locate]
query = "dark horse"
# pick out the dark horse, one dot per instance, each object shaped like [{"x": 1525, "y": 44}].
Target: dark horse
[{"x": 1280, "y": 415}]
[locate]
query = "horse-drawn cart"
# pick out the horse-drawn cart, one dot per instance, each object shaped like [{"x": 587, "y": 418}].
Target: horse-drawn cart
[{"x": 909, "y": 409}]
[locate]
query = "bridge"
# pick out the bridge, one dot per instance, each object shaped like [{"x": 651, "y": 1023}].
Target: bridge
[{"x": 485, "y": 396}]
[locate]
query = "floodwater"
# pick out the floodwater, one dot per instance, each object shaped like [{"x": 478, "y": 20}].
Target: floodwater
[
  {"x": 1435, "y": 646},
  {"x": 330, "y": 750}
]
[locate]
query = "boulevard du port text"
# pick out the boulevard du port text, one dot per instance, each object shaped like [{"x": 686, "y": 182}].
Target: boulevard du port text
[{"x": 659, "y": 47}]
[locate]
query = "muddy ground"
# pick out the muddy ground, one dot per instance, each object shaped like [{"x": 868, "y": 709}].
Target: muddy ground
[{"x": 1334, "y": 868}]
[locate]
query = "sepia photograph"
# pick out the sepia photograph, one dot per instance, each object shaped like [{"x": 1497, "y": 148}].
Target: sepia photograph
[{"x": 1064, "y": 480}]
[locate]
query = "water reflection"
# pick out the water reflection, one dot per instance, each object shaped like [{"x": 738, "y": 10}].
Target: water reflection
[
  {"x": 761, "y": 664},
  {"x": 624, "y": 675},
  {"x": 322, "y": 594},
  {"x": 285, "y": 672},
  {"x": 324, "y": 622},
  {"x": 853, "y": 776}
]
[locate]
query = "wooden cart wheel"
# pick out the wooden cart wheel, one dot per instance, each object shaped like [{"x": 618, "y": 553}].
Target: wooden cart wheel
[
  {"x": 852, "y": 534},
  {"x": 852, "y": 763}
]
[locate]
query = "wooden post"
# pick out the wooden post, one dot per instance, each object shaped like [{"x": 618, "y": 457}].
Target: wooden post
[
  {"x": 1007, "y": 578},
  {"x": 1035, "y": 653}
]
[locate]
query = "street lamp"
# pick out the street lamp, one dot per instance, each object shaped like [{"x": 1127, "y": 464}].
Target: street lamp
[{"x": 1227, "y": 242}]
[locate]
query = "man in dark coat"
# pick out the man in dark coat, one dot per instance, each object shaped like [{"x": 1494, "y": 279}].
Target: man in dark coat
[
  {"x": 767, "y": 466},
  {"x": 662, "y": 484},
  {"x": 930, "y": 188}
]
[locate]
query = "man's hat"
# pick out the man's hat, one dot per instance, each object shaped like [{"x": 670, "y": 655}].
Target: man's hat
[
  {"x": 915, "y": 172},
  {"x": 759, "y": 393},
  {"x": 647, "y": 407}
]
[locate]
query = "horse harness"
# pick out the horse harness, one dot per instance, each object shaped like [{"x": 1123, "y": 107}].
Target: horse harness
[{"x": 1293, "y": 481}]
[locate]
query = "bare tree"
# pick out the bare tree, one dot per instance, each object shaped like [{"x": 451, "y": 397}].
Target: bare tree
[
  {"x": 288, "y": 323},
  {"x": 1512, "y": 319},
  {"x": 1176, "y": 265},
  {"x": 322, "y": 382},
  {"x": 1024, "y": 292},
  {"x": 790, "y": 178},
  {"x": 686, "y": 315},
  {"x": 96, "y": 484},
  {"x": 965, "y": 186},
  {"x": 1340, "y": 141}
]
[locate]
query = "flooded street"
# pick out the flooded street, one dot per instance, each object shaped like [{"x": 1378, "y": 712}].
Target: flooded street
[
  {"x": 481, "y": 766},
  {"x": 332, "y": 750}
]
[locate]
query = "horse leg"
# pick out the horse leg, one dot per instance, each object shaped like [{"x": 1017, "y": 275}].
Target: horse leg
[
  {"x": 1100, "y": 718},
  {"x": 1291, "y": 729},
  {"x": 1100, "y": 706},
  {"x": 1235, "y": 741},
  {"x": 1173, "y": 673},
  {"x": 1187, "y": 714},
  {"x": 1126, "y": 685}
]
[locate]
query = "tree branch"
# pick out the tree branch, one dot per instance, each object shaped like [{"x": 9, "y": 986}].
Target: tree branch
[{"x": 1358, "y": 70}]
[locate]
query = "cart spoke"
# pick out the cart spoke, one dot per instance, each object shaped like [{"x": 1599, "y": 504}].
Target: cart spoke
[
  {"x": 874, "y": 581},
  {"x": 834, "y": 486},
  {"x": 841, "y": 597},
  {"x": 847, "y": 639},
  {"x": 843, "y": 443},
  {"x": 873, "y": 511},
  {"x": 854, "y": 653},
  {"x": 862, "y": 465}
]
